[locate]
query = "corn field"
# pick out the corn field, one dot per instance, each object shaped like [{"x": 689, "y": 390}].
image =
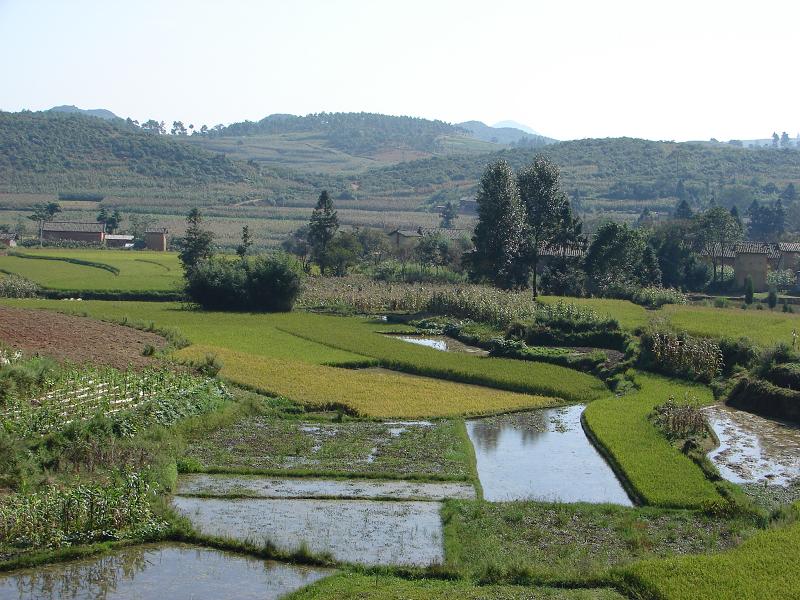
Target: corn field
[
  {"x": 680, "y": 421},
  {"x": 155, "y": 396},
  {"x": 699, "y": 357},
  {"x": 57, "y": 517},
  {"x": 478, "y": 303}
]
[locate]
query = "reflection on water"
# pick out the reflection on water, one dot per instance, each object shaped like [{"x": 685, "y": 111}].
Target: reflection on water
[
  {"x": 160, "y": 572},
  {"x": 754, "y": 449},
  {"x": 373, "y": 532},
  {"x": 442, "y": 343},
  {"x": 542, "y": 455}
]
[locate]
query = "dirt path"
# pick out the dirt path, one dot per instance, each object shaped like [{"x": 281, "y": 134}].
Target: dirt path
[{"x": 75, "y": 339}]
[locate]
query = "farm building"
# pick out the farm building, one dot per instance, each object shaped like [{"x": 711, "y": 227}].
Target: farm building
[
  {"x": 119, "y": 240},
  {"x": 74, "y": 231},
  {"x": 408, "y": 238},
  {"x": 755, "y": 259},
  {"x": 8, "y": 240},
  {"x": 156, "y": 239}
]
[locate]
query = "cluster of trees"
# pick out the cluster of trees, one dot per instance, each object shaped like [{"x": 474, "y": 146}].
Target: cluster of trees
[
  {"x": 519, "y": 216},
  {"x": 257, "y": 283}
]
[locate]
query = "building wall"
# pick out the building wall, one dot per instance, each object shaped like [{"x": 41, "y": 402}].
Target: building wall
[
  {"x": 94, "y": 237},
  {"x": 754, "y": 265},
  {"x": 117, "y": 243},
  {"x": 790, "y": 260},
  {"x": 156, "y": 241}
]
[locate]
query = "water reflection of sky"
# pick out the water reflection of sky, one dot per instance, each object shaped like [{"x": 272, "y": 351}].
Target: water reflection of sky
[
  {"x": 543, "y": 455},
  {"x": 159, "y": 572}
]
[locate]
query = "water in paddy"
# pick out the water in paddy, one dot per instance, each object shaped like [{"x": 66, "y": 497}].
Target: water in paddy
[
  {"x": 159, "y": 572},
  {"x": 371, "y": 532},
  {"x": 542, "y": 455},
  {"x": 283, "y": 487},
  {"x": 443, "y": 343},
  {"x": 753, "y": 449}
]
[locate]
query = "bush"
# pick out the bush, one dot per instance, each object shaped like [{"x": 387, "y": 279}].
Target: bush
[
  {"x": 785, "y": 375},
  {"x": 772, "y": 298},
  {"x": 764, "y": 398},
  {"x": 741, "y": 353},
  {"x": 748, "y": 290},
  {"x": 781, "y": 280},
  {"x": 14, "y": 286},
  {"x": 656, "y": 297},
  {"x": 268, "y": 284}
]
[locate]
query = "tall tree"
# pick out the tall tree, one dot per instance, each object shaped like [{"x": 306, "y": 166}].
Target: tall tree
[
  {"x": 785, "y": 143},
  {"x": 499, "y": 232},
  {"x": 322, "y": 228},
  {"x": 45, "y": 212},
  {"x": 683, "y": 211},
  {"x": 546, "y": 210},
  {"x": 716, "y": 229},
  {"x": 178, "y": 128},
  {"x": 102, "y": 215},
  {"x": 198, "y": 243},
  {"x": 243, "y": 249},
  {"x": 775, "y": 139},
  {"x": 114, "y": 221}
]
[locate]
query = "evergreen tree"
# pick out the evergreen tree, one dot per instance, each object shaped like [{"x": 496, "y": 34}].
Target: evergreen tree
[
  {"x": 737, "y": 219},
  {"x": 649, "y": 269},
  {"x": 683, "y": 211},
  {"x": 748, "y": 290},
  {"x": 322, "y": 228},
  {"x": 198, "y": 243},
  {"x": 789, "y": 194},
  {"x": 546, "y": 211},
  {"x": 243, "y": 249},
  {"x": 102, "y": 215},
  {"x": 498, "y": 234},
  {"x": 114, "y": 221}
]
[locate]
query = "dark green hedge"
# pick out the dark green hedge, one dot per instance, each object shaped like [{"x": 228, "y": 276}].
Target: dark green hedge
[{"x": 766, "y": 399}]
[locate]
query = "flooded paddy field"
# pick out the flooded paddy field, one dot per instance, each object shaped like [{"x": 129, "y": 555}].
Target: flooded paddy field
[
  {"x": 156, "y": 572},
  {"x": 542, "y": 455},
  {"x": 761, "y": 455},
  {"x": 440, "y": 342},
  {"x": 273, "y": 487},
  {"x": 753, "y": 449},
  {"x": 397, "y": 449},
  {"x": 370, "y": 532}
]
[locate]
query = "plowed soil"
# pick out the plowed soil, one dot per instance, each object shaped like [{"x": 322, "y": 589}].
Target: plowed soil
[{"x": 68, "y": 338}]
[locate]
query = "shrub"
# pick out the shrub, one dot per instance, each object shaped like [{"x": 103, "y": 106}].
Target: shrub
[
  {"x": 772, "y": 298},
  {"x": 698, "y": 359},
  {"x": 764, "y": 398},
  {"x": 14, "y": 286},
  {"x": 785, "y": 375},
  {"x": 737, "y": 352},
  {"x": 782, "y": 280},
  {"x": 268, "y": 284},
  {"x": 656, "y": 297}
]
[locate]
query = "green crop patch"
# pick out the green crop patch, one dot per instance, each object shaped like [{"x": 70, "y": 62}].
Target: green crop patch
[
  {"x": 97, "y": 270},
  {"x": 658, "y": 473},
  {"x": 364, "y": 392},
  {"x": 362, "y": 336},
  {"x": 353, "y": 586},
  {"x": 765, "y": 567}
]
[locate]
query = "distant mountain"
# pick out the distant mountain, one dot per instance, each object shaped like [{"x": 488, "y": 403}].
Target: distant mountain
[
  {"x": 101, "y": 113},
  {"x": 504, "y": 135},
  {"x": 516, "y": 125}
]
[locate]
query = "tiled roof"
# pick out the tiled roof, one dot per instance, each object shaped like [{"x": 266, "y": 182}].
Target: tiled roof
[
  {"x": 448, "y": 233},
  {"x": 156, "y": 230},
  {"x": 728, "y": 251},
  {"x": 789, "y": 246},
  {"x": 566, "y": 251},
  {"x": 8, "y": 236},
  {"x": 73, "y": 226}
]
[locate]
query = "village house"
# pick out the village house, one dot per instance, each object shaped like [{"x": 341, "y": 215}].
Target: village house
[
  {"x": 8, "y": 240},
  {"x": 73, "y": 231},
  {"x": 409, "y": 238},
  {"x": 156, "y": 239},
  {"x": 755, "y": 260}
]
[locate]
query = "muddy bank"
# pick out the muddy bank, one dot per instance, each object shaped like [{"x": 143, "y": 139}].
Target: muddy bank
[
  {"x": 369, "y": 532},
  {"x": 542, "y": 455},
  {"x": 276, "y": 487},
  {"x": 159, "y": 572}
]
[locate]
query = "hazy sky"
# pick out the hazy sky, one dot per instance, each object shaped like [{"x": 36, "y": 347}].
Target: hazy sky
[{"x": 660, "y": 70}]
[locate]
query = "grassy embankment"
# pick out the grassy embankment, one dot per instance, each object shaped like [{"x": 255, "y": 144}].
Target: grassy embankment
[
  {"x": 658, "y": 473},
  {"x": 569, "y": 544},
  {"x": 354, "y": 586},
  {"x": 764, "y": 567}
]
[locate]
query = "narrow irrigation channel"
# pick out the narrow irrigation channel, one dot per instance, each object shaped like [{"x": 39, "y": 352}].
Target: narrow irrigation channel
[
  {"x": 157, "y": 571},
  {"x": 542, "y": 455}
]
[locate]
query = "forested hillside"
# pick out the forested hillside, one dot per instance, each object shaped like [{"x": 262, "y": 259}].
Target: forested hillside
[{"x": 616, "y": 173}]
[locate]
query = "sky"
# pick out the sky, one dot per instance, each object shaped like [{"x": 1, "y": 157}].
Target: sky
[{"x": 668, "y": 70}]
